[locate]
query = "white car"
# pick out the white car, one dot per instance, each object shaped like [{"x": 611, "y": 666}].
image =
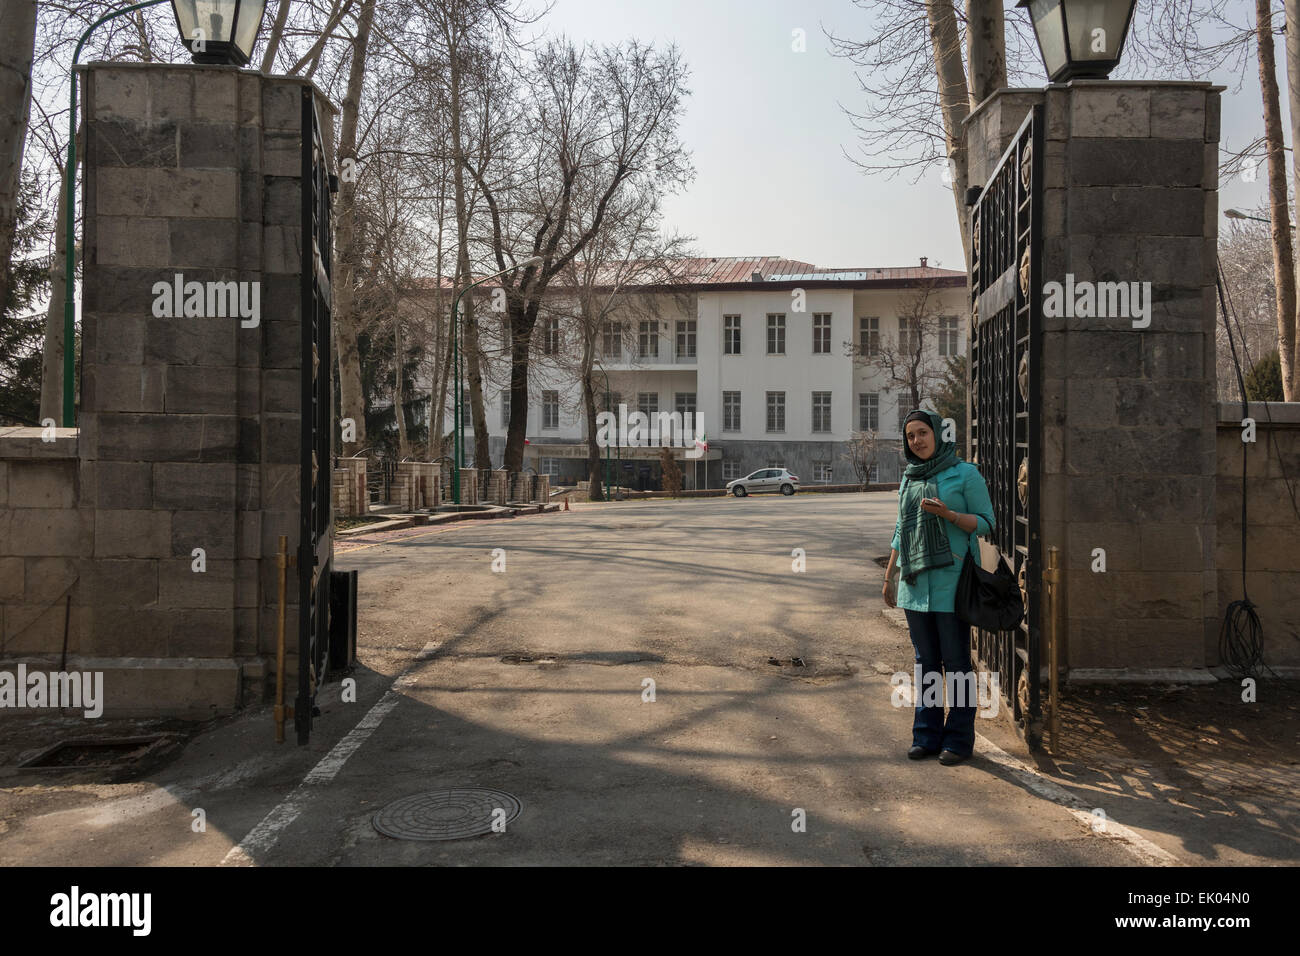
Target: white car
[{"x": 765, "y": 479}]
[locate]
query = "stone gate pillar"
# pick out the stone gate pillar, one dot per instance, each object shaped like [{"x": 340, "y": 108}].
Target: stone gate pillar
[
  {"x": 1128, "y": 400},
  {"x": 191, "y": 390}
]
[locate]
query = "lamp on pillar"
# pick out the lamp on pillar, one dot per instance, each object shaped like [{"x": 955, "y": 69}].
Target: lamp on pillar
[
  {"x": 219, "y": 31},
  {"x": 1080, "y": 39}
]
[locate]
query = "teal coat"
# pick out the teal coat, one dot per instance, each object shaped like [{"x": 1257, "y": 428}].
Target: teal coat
[{"x": 962, "y": 489}]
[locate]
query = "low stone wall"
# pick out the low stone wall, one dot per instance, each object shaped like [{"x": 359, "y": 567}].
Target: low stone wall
[
  {"x": 1272, "y": 524},
  {"x": 416, "y": 485}
]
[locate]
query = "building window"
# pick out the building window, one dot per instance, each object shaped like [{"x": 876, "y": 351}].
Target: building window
[
  {"x": 686, "y": 338},
  {"x": 869, "y": 335},
  {"x": 904, "y": 409},
  {"x": 909, "y": 336},
  {"x": 550, "y": 409},
  {"x": 551, "y": 466},
  {"x": 730, "y": 470},
  {"x": 873, "y": 473},
  {"x": 948, "y": 335},
  {"x": 647, "y": 403},
  {"x": 776, "y": 334},
  {"x": 505, "y": 408},
  {"x": 776, "y": 463},
  {"x": 550, "y": 335},
  {"x": 612, "y": 401},
  {"x": 647, "y": 339},
  {"x": 731, "y": 335},
  {"x": 821, "y": 411},
  {"x": 775, "y": 412},
  {"x": 821, "y": 333},
  {"x": 685, "y": 402},
  {"x": 612, "y": 340},
  {"x": 869, "y": 412},
  {"x": 822, "y": 471},
  {"x": 731, "y": 411}
]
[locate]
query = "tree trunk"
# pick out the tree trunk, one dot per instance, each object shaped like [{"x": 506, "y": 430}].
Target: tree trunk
[
  {"x": 352, "y": 402},
  {"x": 52, "y": 357},
  {"x": 403, "y": 446},
  {"x": 954, "y": 103},
  {"x": 986, "y": 48},
  {"x": 17, "y": 45},
  {"x": 277, "y": 34},
  {"x": 589, "y": 407},
  {"x": 1279, "y": 207},
  {"x": 520, "y": 337}
]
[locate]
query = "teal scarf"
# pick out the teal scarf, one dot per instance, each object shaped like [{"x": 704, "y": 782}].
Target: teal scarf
[{"x": 922, "y": 538}]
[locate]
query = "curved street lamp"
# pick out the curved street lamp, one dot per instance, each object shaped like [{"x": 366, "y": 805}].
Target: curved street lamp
[{"x": 1080, "y": 39}]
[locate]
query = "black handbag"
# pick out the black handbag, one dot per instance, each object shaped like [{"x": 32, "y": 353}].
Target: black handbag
[{"x": 987, "y": 599}]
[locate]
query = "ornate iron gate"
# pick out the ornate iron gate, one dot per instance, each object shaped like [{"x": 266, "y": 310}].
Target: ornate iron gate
[
  {"x": 1005, "y": 427},
  {"x": 315, "y": 541}
]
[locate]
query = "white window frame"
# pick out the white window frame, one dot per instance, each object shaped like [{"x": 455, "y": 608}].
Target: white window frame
[
  {"x": 821, "y": 331},
  {"x": 730, "y": 329},
  {"x": 776, "y": 324}
]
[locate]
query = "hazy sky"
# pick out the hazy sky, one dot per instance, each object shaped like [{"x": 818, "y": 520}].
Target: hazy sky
[{"x": 768, "y": 135}]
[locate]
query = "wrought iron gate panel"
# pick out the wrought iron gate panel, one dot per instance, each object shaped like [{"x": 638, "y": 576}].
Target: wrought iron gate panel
[
  {"x": 1005, "y": 432},
  {"x": 315, "y": 544}
]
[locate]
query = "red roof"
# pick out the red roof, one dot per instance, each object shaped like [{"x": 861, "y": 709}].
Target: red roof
[{"x": 738, "y": 270}]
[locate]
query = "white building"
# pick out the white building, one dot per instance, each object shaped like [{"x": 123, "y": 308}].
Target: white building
[{"x": 761, "y": 348}]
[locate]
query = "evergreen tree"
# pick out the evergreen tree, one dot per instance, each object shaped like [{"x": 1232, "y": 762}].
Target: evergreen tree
[
  {"x": 1264, "y": 381},
  {"x": 22, "y": 318}
]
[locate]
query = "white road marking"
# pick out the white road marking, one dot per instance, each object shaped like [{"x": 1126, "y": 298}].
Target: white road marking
[
  {"x": 1136, "y": 844},
  {"x": 264, "y": 836}
]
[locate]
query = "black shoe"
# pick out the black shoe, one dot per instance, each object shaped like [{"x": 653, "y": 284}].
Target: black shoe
[
  {"x": 950, "y": 757},
  {"x": 920, "y": 753}
]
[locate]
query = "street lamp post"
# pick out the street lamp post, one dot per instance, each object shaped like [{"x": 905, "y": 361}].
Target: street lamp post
[
  {"x": 1080, "y": 39},
  {"x": 608, "y": 398},
  {"x": 458, "y": 414},
  {"x": 1238, "y": 214},
  {"x": 234, "y": 24}
]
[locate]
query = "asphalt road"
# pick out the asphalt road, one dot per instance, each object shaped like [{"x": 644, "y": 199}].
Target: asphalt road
[{"x": 534, "y": 679}]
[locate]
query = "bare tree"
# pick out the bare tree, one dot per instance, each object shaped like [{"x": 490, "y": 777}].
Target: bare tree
[
  {"x": 1245, "y": 252},
  {"x": 912, "y": 367},
  {"x": 596, "y": 119},
  {"x": 861, "y": 452}
]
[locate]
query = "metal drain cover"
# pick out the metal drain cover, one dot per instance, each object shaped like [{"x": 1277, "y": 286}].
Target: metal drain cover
[{"x": 445, "y": 814}]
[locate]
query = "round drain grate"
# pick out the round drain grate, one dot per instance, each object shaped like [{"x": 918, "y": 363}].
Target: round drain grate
[{"x": 445, "y": 814}]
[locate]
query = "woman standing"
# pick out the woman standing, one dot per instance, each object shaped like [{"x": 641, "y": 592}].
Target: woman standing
[{"x": 942, "y": 500}]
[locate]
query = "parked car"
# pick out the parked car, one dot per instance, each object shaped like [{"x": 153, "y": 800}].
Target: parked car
[{"x": 765, "y": 479}]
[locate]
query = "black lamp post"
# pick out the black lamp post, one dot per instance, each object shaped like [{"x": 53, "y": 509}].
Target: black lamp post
[
  {"x": 1080, "y": 39},
  {"x": 219, "y": 31}
]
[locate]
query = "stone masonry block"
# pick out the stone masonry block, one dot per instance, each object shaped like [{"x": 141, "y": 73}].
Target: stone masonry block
[
  {"x": 120, "y": 95},
  {"x": 132, "y": 241},
  {"x": 1119, "y": 541},
  {"x": 122, "y": 583},
  {"x": 49, "y": 580},
  {"x": 281, "y": 106},
  {"x": 1174, "y": 355},
  {"x": 280, "y": 487},
  {"x": 1137, "y": 162},
  {"x": 113, "y": 338},
  {"x": 213, "y": 531},
  {"x": 281, "y": 391},
  {"x": 209, "y": 145},
  {"x": 48, "y": 532},
  {"x": 250, "y": 440},
  {"x": 191, "y": 341},
  {"x": 204, "y": 194},
  {"x": 180, "y": 587},
  {"x": 1178, "y": 114},
  {"x": 194, "y": 487},
  {"x": 1128, "y": 450},
  {"x": 201, "y": 389},
  {"x": 204, "y": 243},
  {"x": 1092, "y": 402},
  {"x": 282, "y": 443},
  {"x": 12, "y": 579},
  {"x": 1171, "y": 260},
  {"x": 1126, "y": 210},
  {"x": 1173, "y": 547},
  {"x": 1161, "y": 403},
  {"x": 121, "y": 485},
  {"x": 132, "y": 534},
  {"x": 250, "y": 247},
  {"x": 282, "y": 344},
  {"x": 280, "y": 249},
  {"x": 167, "y": 438},
  {"x": 250, "y": 98},
  {"x": 282, "y": 153},
  {"x": 1104, "y": 354},
  {"x": 1165, "y": 498},
  {"x": 1105, "y": 111},
  {"x": 282, "y": 201},
  {"x": 129, "y": 632},
  {"x": 42, "y": 484},
  {"x": 125, "y": 142},
  {"x": 123, "y": 388},
  {"x": 203, "y": 634}
]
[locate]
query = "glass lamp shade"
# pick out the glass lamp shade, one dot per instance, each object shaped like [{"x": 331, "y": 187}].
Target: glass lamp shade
[
  {"x": 219, "y": 31},
  {"x": 1080, "y": 38}
]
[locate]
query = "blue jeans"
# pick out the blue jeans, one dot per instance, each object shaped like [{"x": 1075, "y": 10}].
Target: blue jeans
[{"x": 941, "y": 639}]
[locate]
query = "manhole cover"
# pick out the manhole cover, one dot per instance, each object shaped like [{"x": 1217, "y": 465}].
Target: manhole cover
[{"x": 446, "y": 814}]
